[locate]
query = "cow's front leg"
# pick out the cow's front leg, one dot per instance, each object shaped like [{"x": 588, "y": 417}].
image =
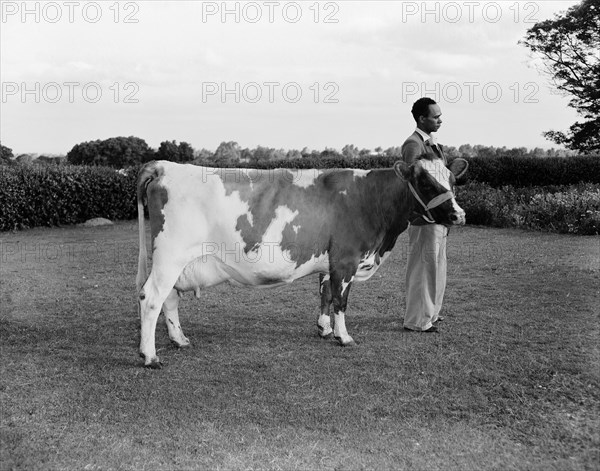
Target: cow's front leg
[
  {"x": 324, "y": 320},
  {"x": 341, "y": 280},
  {"x": 172, "y": 320}
]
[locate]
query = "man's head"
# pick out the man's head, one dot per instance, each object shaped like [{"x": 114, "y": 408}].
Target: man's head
[{"x": 427, "y": 114}]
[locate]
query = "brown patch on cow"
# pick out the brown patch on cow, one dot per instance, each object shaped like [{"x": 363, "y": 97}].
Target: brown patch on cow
[
  {"x": 157, "y": 199},
  {"x": 338, "y": 211}
]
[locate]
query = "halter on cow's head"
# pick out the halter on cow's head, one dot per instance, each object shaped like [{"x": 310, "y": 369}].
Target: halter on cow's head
[{"x": 431, "y": 184}]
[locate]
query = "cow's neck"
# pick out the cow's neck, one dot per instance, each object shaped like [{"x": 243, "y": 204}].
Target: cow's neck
[{"x": 391, "y": 205}]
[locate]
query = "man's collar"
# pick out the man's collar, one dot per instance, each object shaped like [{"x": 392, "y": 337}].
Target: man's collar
[
  {"x": 423, "y": 134},
  {"x": 426, "y": 137}
]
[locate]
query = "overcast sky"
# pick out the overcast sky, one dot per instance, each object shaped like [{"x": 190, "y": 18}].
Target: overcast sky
[{"x": 279, "y": 74}]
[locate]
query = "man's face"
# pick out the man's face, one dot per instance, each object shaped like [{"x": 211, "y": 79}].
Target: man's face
[{"x": 433, "y": 121}]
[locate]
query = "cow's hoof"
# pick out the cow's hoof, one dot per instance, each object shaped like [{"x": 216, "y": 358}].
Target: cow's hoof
[
  {"x": 346, "y": 343},
  {"x": 185, "y": 344},
  {"x": 325, "y": 332},
  {"x": 154, "y": 364}
]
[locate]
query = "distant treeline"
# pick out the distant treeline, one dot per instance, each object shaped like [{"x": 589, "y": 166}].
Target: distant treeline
[{"x": 123, "y": 152}]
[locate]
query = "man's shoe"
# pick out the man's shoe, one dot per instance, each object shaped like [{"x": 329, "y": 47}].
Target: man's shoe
[
  {"x": 432, "y": 329},
  {"x": 439, "y": 319}
]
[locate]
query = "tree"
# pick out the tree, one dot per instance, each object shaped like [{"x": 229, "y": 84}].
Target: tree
[
  {"x": 310, "y": 154},
  {"x": 227, "y": 153},
  {"x": 278, "y": 154},
  {"x": 203, "y": 156},
  {"x": 394, "y": 152},
  {"x": 6, "y": 155},
  {"x": 329, "y": 153},
  {"x": 24, "y": 159},
  {"x": 260, "y": 154},
  {"x": 169, "y": 150},
  {"x": 568, "y": 46},
  {"x": 293, "y": 154},
  {"x": 350, "y": 151},
  {"x": 118, "y": 152},
  {"x": 466, "y": 150},
  {"x": 486, "y": 151},
  {"x": 186, "y": 152},
  {"x": 246, "y": 155},
  {"x": 451, "y": 152}
]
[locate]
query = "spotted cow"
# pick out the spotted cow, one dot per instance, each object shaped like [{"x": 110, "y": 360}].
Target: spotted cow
[{"x": 270, "y": 227}]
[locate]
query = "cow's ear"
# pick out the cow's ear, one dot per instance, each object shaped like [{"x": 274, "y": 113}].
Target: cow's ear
[
  {"x": 459, "y": 167},
  {"x": 402, "y": 169}
]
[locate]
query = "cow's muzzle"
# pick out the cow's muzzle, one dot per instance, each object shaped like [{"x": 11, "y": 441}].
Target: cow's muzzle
[{"x": 458, "y": 218}]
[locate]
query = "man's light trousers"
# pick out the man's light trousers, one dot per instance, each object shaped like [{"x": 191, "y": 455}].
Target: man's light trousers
[{"x": 425, "y": 275}]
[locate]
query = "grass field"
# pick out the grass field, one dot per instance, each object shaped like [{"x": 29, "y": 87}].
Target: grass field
[{"x": 511, "y": 382}]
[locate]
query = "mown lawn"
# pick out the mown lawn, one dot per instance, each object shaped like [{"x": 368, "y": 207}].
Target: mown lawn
[{"x": 511, "y": 382}]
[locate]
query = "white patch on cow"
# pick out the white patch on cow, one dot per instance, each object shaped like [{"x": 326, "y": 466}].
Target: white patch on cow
[
  {"x": 304, "y": 178},
  {"x": 324, "y": 323},
  {"x": 200, "y": 225},
  {"x": 200, "y": 234},
  {"x": 316, "y": 264},
  {"x": 438, "y": 170},
  {"x": 358, "y": 173},
  {"x": 339, "y": 329},
  {"x": 296, "y": 228},
  {"x": 346, "y": 284},
  {"x": 249, "y": 214},
  {"x": 271, "y": 262},
  {"x": 441, "y": 173},
  {"x": 368, "y": 265},
  {"x": 274, "y": 232},
  {"x": 343, "y": 192}
]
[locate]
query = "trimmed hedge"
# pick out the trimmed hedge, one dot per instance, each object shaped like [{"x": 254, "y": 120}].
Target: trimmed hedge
[
  {"x": 531, "y": 171},
  {"x": 567, "y": 209},
  {"x": 32, "y": 196},
  {"x": 365, "y": 163},
  {"x": 495, "y": 171},
  {"x": 502, "y": 191}
]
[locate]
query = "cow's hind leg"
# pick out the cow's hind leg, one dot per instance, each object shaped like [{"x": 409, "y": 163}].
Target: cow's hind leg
[
  {"x": 341, "y": 280},
  {"x": 324, "y": 320},
  {"x": 151, "y": 298},
  {"x": 172, "y": 320}
]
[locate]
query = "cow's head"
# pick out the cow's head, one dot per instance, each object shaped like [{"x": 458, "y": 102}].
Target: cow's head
[{"x": 432, "y": 186}]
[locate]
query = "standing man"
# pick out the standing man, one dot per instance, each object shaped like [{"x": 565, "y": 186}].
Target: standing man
[{"x": 426, "y": 267}]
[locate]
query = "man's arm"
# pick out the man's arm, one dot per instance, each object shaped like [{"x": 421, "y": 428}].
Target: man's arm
[{"x": 411, "y": 149}]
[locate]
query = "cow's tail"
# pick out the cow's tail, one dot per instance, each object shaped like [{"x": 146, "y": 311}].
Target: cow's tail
[{"x": 147, "y": 173}]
